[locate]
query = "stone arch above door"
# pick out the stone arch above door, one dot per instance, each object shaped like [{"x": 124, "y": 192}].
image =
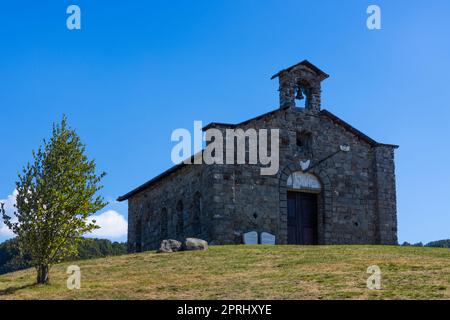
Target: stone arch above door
[{"x": 301, "y": 181}]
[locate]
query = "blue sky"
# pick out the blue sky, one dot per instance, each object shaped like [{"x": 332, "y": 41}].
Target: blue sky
[{"x": 137, "y": 70}]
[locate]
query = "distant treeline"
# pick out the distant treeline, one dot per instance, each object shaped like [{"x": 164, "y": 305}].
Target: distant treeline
[
  {"x": 11, "y": 260},
  {"x": 433, "y": 244}
]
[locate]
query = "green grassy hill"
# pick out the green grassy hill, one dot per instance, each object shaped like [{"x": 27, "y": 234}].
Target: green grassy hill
[{"x": 248, "y": 272}]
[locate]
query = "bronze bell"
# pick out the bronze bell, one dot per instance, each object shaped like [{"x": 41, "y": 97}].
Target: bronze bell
[{"x": 299, "y": 95}]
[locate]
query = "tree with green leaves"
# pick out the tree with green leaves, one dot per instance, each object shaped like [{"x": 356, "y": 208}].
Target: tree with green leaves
[{"x": 57, "y": 193}]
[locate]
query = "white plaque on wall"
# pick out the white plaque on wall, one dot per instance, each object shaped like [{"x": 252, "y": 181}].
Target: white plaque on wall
[
  {"x": 301, "y": 181},
  {"x": 251, "y": 237},
  {"x": 267, "y": 238}
]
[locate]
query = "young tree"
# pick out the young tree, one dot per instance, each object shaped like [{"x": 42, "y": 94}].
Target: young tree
[{"x": 56, "y": 195}]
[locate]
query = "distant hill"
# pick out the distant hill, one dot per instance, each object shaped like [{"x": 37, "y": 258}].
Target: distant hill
[
  {"x": 10, "y": 259},
  {"x": 439, "y": 244},
  {"x": 248, "y": 272},
  {"x": 433, "y": 244}
]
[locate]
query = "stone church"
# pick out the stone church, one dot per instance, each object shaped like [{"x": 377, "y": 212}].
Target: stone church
[{"x": 335, "y": 185}]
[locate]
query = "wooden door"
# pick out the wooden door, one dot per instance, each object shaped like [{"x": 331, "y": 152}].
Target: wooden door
[{"x": 302, "y": 218}]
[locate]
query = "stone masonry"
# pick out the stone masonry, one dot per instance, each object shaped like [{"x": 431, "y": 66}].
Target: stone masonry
[{"x": 355, "y": 205}]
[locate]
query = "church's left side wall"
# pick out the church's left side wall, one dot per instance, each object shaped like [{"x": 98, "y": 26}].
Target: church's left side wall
[{"x": 174, "y": 207}]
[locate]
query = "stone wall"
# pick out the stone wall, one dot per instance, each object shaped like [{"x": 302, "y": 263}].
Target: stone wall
[
  {"x": 171, "y": 208},
  {"x": 385, "y": 194},
  {"x": 347, "y": 205},
  {"x": 356, "y": 205}
]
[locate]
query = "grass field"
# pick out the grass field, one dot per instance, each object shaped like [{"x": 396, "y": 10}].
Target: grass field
[{"x": 248, "y": 272}]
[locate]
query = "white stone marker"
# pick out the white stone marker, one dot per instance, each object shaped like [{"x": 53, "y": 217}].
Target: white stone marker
[
  {"x": 251, "y": 237},
  {"x": 267, "y": 238}
]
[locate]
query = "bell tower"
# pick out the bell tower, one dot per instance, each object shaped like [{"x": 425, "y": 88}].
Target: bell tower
[{"x": 301, "y": 82}]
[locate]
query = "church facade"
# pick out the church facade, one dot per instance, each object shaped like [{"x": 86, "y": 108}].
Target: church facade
[{"x": 335, "y": 185}]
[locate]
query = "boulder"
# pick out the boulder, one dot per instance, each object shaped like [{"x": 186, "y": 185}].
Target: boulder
[
  {"x": 195, "y": 244},
  {"x": 169, "y": 245}
]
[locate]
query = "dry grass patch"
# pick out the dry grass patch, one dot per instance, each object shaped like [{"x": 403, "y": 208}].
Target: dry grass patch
[{"x": 248, "y": 272}]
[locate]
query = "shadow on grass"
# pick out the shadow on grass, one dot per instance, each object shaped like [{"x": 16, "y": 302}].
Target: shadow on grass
[{"x": 12, "y": 290}]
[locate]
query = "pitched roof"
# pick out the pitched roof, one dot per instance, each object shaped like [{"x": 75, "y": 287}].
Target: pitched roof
[
  {"x": 234, "y": 125},
  {"x": 323, "y": 112},
  {"x": 150, "y": 182},
  {"x": 307, "y": 64},
  {"x": 353, "y": 130},
  {"x": 156, "y": 179}
]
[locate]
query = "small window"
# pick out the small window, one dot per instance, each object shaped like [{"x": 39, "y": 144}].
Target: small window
[
  {"x": 304, "y": 141},
  {"x": 196, "y": 214},
  {"x": 138, "y": 229},
  {"x": 180, "y": 220},
  {"x": 163, "y": 227}
]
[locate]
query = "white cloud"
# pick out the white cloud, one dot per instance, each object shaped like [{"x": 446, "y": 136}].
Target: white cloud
[
  {"x": 9, "y": 202},
  {"x": 112, "y": 225}
]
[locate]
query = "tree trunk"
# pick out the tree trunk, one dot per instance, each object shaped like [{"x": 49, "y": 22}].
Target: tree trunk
[{"x": 42, "y": 274}]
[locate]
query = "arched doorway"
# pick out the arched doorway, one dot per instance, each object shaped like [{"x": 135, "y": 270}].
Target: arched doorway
[{"x": 302, "y": 208}]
